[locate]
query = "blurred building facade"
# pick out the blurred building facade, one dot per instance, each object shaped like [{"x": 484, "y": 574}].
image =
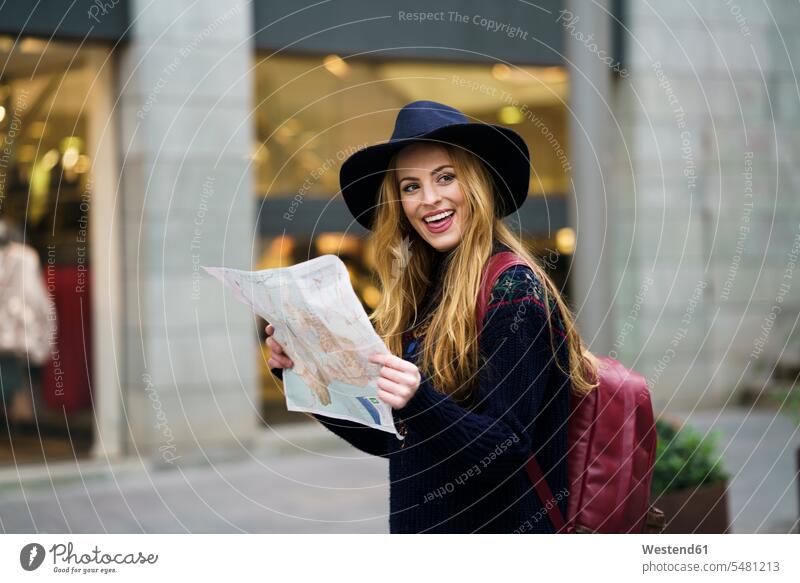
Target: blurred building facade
[
  {"x": 199, "y": 133},
  {"x": 708, "y": 214}
]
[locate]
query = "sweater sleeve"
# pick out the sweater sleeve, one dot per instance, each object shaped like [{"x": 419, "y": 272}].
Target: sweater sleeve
[
  {"x": 515, "y": 346},
  {"x": 366, "y": 439}
]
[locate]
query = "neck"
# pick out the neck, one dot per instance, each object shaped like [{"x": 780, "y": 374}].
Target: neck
[{"x": 440, "y": 259}]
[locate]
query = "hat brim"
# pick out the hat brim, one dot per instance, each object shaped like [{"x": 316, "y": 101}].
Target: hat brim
[{"x": 502, "y": 150}]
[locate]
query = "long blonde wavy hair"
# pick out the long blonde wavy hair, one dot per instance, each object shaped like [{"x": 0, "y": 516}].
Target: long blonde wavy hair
[{"x": 451, "y": 357}]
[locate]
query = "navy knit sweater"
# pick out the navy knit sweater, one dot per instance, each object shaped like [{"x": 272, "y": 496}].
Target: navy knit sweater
[{"x": 462, "y": 470}]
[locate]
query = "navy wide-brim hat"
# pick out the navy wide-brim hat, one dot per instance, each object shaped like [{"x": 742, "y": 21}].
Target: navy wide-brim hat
[{"x": 502, "y": 151}]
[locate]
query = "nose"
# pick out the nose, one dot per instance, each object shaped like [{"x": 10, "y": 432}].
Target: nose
[{"x": 430, "y": 194}]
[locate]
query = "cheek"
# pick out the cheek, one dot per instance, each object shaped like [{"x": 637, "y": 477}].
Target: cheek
[
  {"x": 409, "y": 208},
  {"x": 458, "y": 200},
  {"x": 456, "y": 195}
]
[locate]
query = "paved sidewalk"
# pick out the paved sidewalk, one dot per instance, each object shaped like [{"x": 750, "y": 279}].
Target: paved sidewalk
[
  {"x": 333, "y": 488},
  {"x": 758, "y": 448}
]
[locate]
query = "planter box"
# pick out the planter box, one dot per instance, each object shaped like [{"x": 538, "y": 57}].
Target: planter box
[{"x": 702, "y": 510}]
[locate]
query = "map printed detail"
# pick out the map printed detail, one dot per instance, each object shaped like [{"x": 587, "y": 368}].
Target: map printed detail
[{"x": 323, "y": 328}]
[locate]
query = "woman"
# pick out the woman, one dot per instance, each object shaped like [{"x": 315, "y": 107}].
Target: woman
[{"x": 473, "y": 407}]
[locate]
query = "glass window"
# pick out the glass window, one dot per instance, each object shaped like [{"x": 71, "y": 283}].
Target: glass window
[
  {"x": 313, "y": 112},
  {"x": 44, "y": 200}
]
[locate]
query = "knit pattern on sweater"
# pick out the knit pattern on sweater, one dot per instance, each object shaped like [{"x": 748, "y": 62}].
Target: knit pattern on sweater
[{"x": 522, "y": 285}]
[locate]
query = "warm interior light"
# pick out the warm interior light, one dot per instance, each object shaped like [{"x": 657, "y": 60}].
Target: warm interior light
[
  {"x": 565, "y": 241},
  {"x": 501, "y": 72},
  {"x": 336, "y": 65},
  {"x": 337, "y": 244},
  {"x": 50, "y": 159},
  {"x": 509, "y": 115},
  {"x": 32, "y": 46},
  {"x": 70, "y": 158},
  {"x": 83, "y": 164}
]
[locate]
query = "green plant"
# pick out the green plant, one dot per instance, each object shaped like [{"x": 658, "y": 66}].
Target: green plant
[{"x": 685, "y": 459}]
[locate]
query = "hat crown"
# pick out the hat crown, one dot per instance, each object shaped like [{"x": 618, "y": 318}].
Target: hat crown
[{"x": 420, "y": 117}]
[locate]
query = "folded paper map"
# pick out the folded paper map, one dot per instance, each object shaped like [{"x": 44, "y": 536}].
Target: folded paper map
[{"x": 324, "y": 330}]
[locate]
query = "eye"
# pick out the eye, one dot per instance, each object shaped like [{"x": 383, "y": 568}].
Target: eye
[
  {"x": 410, "y": 187},
  {"x": 445, "y": 179}
]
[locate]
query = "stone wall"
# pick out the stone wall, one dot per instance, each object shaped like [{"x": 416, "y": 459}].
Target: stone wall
[{"x": 706, "y": 176}]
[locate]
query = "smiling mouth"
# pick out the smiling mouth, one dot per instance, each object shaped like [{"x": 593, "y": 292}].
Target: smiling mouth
[{"x": 438, "y": 218}]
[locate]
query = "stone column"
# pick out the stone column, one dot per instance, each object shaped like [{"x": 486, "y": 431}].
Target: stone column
[
  {"x": 591, "y": 204},
  {"x": 189, "y": 365}
]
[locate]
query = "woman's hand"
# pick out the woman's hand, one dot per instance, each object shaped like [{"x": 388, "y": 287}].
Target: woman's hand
[
  {"x": 399, "y": 379},
  {"x": 277, "y": 358}
]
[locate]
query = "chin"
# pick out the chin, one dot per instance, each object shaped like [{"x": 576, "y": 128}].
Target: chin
[
  {"x": 444, "y": 243},
  {"x": 444, "y": 246}
]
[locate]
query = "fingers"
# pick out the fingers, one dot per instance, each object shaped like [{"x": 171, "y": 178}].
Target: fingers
[
  {"x": 278, "y": 357},
  {"x": 393, "y": 401},
  {"x": 398, "y": 381},
  {"x": 397, "y": 376},
  {"x": 274, "y": 346},
  {"x": 277, "y": 361},
  {"x": 393, "y": 388},
  {"x": 395, "y": 362},
  {"x": 280, "y": 363}
]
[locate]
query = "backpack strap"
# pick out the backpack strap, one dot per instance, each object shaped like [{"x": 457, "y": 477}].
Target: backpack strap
[
  {"x": 496, "y": 265},
  {"x": 545, "y": 494}
]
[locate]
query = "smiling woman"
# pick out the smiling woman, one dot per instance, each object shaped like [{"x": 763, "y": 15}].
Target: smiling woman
[
  {"x": 431, "y": 196},
  {"x": 313, "y": 111},
  {"x": 471, "y": 410}
]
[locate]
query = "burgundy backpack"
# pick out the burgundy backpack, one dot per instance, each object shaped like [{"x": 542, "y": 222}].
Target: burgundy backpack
[{"x": 612, "y": 446}]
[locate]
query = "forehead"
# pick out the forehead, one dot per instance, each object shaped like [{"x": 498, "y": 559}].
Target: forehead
[{"x": 423, "y": 155}]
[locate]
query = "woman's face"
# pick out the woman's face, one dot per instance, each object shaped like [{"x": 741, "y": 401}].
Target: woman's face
[{"x": 429, "y": 189}]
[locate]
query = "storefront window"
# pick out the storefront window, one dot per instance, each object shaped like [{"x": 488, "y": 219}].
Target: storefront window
[
  {"x": 44, "y": 204},
  {"x": 310, "y": 114}
]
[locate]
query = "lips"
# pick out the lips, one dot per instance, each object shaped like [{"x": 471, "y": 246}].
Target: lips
[
  {"x": 442, "y": 225},
  {"x": 438, "y": 214}
]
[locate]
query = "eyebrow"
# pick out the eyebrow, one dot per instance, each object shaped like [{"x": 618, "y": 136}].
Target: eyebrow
[{"x": 434, "y": 171}]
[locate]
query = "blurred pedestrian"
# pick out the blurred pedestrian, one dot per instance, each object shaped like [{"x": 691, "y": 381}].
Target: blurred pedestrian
[{"x": 26, "y": 324}]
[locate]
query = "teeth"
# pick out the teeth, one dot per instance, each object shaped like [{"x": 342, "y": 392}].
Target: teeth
[{"x": 439, "y": 216}]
